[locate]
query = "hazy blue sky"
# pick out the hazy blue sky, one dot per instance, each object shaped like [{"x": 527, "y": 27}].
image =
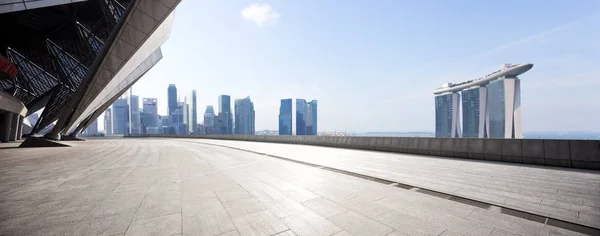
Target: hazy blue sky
[{"x": 372, "y": 65}]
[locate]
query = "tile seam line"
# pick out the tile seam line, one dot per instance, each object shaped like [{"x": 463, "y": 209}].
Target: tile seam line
[{"x": 370, "y": 178}]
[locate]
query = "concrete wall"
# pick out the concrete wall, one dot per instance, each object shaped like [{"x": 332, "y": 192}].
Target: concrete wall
[{"x": 584, "y": 154}]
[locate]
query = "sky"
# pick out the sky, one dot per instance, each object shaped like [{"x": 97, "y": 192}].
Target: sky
[{"x": 373, "y": 65}]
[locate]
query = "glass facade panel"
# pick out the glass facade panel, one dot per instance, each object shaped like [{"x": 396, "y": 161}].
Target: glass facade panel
[
  {"x": 443, "y": 116},
  {"x": 285, "y": 117},
  {"x": 470, "y": 112},
  {"x": 300, "y": 117},
  {"x": 495, "y": 106}
]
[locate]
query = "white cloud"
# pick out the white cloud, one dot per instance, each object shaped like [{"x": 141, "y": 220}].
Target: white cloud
[{"x": 260, "y": 13}]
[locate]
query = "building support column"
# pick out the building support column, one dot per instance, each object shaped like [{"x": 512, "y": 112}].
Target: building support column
[
  {"x": 5, "y": 134},
  {"x": 20, "y": 128},
  {"x": 13, "y": 128}
]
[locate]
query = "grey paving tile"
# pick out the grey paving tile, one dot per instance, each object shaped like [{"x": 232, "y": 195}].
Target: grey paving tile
[
  {"x": 230, "y": 233},
  {"x": 357, "y": 224},
  {"x": 259, "y": 223},
  {"x": 162, "y": 225},
  {"x": 365, "y": 207},
  {"x": 309, "y": 223},
  {"x": 507, "y": 223},
  {"x": 409, "y": 225},
  {"x": 212, "y": 223},
  {"x": 162, "y": 203},
  {"x": 342, "y": 233},
  {"x": 190, "y": 195},
  {"x": 200, "y": 207},
  {"x": 232, "y": 194},
  {"x": 286, "y": 233},
  {"x": 284, "y": 208},
  {"x": 324, "y": 207},
  {"x": 499, "y": 232},
  {"x": 243, "y": 207},
  {"x": 396, "y": 233},
  {"x": 110, "y": 225},
  {"x": 11, "y": 225}
]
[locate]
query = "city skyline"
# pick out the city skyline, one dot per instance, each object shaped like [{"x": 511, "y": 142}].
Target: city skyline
[{"x": 384, "y": 70}]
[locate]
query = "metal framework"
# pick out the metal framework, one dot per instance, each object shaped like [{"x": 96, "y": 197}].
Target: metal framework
[{"x": 61, "y": 43}]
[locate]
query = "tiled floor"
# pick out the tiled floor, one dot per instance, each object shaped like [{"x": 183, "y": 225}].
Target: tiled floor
[
  {"x": 174, "y": 187},
  {"x": 571, "y": 195}
]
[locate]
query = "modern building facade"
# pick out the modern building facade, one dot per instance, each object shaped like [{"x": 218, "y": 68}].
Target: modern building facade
[
  {"x": 491, "y": 105},
  {"x": 244, "y": 116},
  {"x": 447, "y": 124},
  {"x": 134, "y": 114},
  {"x": 149, "y": 115},
  {"x": 108, "y": 131},
  {"x": 171, "y": 99},
  {"x": 311, "y": 118},
  {"x": 209, "y": 116},
  {"x": 120, "y": 117},
  {"x": 285, "y": 117},
  {"x": 192, "y": 112},
  {"x": 300, "y": 116},
  {"x": 92, "y": 129},
  {"x": 76, "y": 58},
  {"x": 225, "y": 113}
]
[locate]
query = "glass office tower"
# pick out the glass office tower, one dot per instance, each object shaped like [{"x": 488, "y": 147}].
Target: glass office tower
[
  {"x": 497, "y": 109},
  {"x": 244, "y": 116},
  {"x": 192, "y": 112},
  {"x": 120, "y": 116},
  {"x": 172, "y": 99},
  {"x": 311, "y": 118},
  {"x": 285, "y": 117},
  {"x": 447, "y": 124},
  {"x": 471, "y": 112},
  {"x": 300, "y": 116},
  {"x": 225, "y": 113},
  {"x": 443, "y": 116}
]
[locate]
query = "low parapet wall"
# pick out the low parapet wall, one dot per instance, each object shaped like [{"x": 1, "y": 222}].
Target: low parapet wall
[{"x": 584, "y": 154}]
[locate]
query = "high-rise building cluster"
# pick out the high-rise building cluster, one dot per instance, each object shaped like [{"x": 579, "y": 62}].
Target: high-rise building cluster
[
  {"x": 491, "y": 106},
  {"x": 126, "y": 117},
  {"x": 306, "y": 117}
]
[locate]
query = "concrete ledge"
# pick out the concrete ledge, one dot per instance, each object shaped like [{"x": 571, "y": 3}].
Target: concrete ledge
[
  {"x": 533, "y": 151},
  {"x": 461, "y": 148},
  {"x": 562, "y": 153},
  {"x": 512, "y": 151},
  {"x": 476, "y": 148},
  {"x": 413, "y": 145},
  {"x": 447, "y": 147},
  {"x": 423, "y": 144},
  {"x": 585, "y": 150},
  {"x": 557, "y": 153},
  {"x": 32, "y": 142},
  {"x": 493, "y": 149},
  {"x": 435, "y": 146}
]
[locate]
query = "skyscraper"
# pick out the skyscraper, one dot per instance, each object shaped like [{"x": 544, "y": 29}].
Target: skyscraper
[
  {"x": 311, "y": 118},
  {"x": 447, "y": 124},
  {"x": 92, "y": 129},
  {"x": 192, "y": 112},
  {"x": 244, "y": 116},
  {"x": 209, "y": 116},
  {"x": 108, "y": 122},
  {"x": 149, "y": 116},
  {"x": 225, "y": 112},
  {"x": 134, "y": 113},
  {"x": 285, "y": 117},
  {"x": 473, "y": 112},
  {"x": 300, "y": 116},
  {"x": 120, "y": 116},
  {"x": 172, "y": 99},
  {"x": 491, "y": 105}
]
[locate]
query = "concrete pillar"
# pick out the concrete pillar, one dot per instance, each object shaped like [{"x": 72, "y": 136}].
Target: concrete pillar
[
  {"x": 5, "y": 134},
  {"x": 13, "y": 129},
  {"x": 20, "y": 128}
]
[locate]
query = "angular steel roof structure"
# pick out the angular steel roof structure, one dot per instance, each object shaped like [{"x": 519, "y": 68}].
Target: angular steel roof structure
[{"x": 74, "y": 58}]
